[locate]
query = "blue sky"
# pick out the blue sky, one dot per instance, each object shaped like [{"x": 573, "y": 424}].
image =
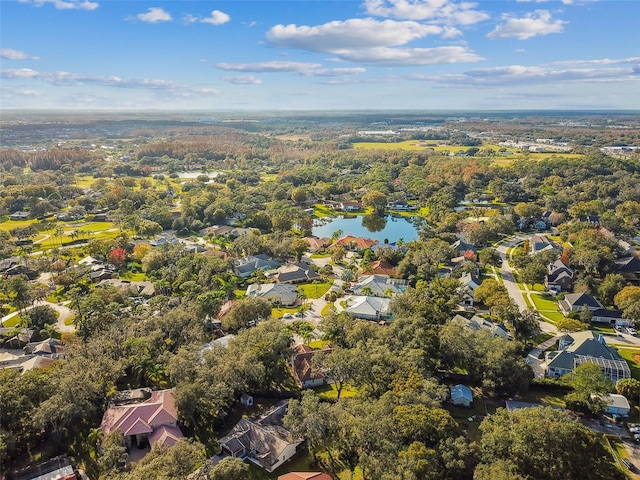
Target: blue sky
[{"x": 332, "y": 55}]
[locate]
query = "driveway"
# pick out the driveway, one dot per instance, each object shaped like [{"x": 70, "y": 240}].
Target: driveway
[{"x": 64, "y": 313}]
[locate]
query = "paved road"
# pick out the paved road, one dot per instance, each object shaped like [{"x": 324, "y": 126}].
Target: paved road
[{"x": 510, "y": 282}]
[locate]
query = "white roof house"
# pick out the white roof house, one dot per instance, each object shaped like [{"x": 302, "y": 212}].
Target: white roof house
[
  {"x": 368, "y": 308},
  {"x": 278, "y": 293},
  {"x": 379, "y": 286},
  {"x": 461, "y": 395}
]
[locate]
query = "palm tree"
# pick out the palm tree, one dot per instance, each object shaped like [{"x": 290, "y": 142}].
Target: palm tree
[
  {"x": 94, "y": 438},
  {"x": 50, "y": 330},
  {"x": 366, "y": 291}
]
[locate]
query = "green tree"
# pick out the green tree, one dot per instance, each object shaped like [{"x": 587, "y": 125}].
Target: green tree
[
  {"x": 113, "y": 455},
  {"x": 535, "y": 441},
  {"x": 628, "y": 300},
  {"x": 630, "y": 388},
  {"x": 375, "y": 199},
  {"x": 588, "y": 383},
  {"x": 299, "y": 246},
  {"x": 611, "y": 285},
  {"x": 246, "y": 312},
  {"x": 230, "y": 468}
]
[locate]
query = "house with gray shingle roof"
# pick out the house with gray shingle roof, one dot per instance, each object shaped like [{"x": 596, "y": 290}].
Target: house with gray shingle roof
[
  {"x": 277, "y": 293},
  {"x": 575, "y": 302},
  {"x": 244, "y": 267},
  {"x": 263, "y": 441},
  {"x": 585, "y": 347}
]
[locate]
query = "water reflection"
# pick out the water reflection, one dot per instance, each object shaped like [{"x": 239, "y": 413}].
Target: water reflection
[{"x": 374, "y": 223}]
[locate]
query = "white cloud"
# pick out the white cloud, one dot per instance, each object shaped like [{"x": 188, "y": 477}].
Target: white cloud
[
  {"x": 216, "y": 18},
  {"x": 410, "y": 56},
  {"x": 65, "y": 4},
  {"x": 564, "y": 2},
  {"x": 600, "y": 61},
  {"x": 11, "y": 54},
  {"x": 335, "y": 72},
  {"x": 23, "y": 92},
  {"x": 371, "y": 41},
  {"x": 519, "y": 75},
  {"x": 243, "y": 80},
  {"x": 531, "y": 25},
  {"x": 262, "y": 67},
  {"x": 63, "y": 79},
  {"x": 153, "y": 15},
  {"x": 446, "y": 12},
  {"x": 299, "y": 68},
  {"x": 349, "y": 34}
]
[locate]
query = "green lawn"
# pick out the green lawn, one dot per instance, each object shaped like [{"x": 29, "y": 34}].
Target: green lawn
[
  {"x": 544, "y": 304},
  {"x": 320, "y": 211},
  {"x": 12, "y": 322},
  {"x": 547, "y": 397},
  {"x": 633, "y": 359},
  {"x": 326, "y": 310},
  {"x": 315, "y": 290},
  {"x": 330, "y": 392}
]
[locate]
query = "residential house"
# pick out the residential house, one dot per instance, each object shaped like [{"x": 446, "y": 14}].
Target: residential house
[
  {"x": 8, "y": 263},
  {"x": 276, "y": 293},
  {"x": 225, "y": 231},
  {"x": 615, "y": 404},
  {"x": 576, "y": 302},
  {"x": 460, "y": 247},
  {"x": 263, "y": 441},
  {"x": 19, "y": 216},
  {"x": 246, "y": 266},
  {"x": 153, "y": 421},
  {"x": 354, "y": 243},
  {"x": 167, "y": 237},
  {"x": 368, "y": 308},
  {"x": 104, "y": 273},
  {"x": 302, "y": 367},
  {"x": 380, "y": 267},
  {"x": 461, "y": 395},
  {"x": 48, "y": 346},
  {"x": 627, "y": 264},
  {"x": 316, "y": 243},
  {"x": 478, "y": 323},
  {"x": 142, "y": 288},
  {"x": 610, "y": 317},
  {"x": 39, "y": 361},
  {"x": 305, "y": 476},
  {"x": 378, "y": 286},
  {"x": 468, "y": 285},
  {"x": 559, "y": 277},
  {"x": 585, "y": 347},
  {"x": 301, "y": 272},
  {"x": 540, "y": 243}
]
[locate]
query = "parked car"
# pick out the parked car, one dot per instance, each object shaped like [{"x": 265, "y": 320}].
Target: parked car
[
  {"x": 636, "y": 438},
  {"x": 632, "y": 331},
  {"x": 619, "y": 328},
  {"x": 287, "y": 315},
  {"x": 634, "y": 429}
]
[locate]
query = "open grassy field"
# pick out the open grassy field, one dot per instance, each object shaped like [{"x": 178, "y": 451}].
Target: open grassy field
[
  {"x": 633, "y": 359},
  {"x": 331, "y": 392},
  {"x": 406, "y": 145}
]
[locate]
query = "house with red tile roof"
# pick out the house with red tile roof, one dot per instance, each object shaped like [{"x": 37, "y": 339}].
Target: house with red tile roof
[
  {"x": 153, "y": 420},
  {"x": 380, "y": 267},
  {"x": 305, "y": 476},
  {"x": 354, "y": 243},
  {"x": 302, "y": 367}
]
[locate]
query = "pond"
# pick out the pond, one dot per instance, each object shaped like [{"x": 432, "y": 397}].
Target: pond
[{"x": 390, "y": 227}]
